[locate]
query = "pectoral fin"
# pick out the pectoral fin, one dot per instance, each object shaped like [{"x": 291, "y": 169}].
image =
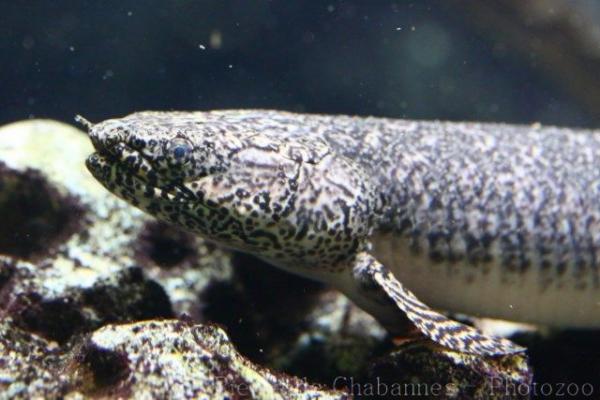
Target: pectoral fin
[{"x": 457, "y": 336}]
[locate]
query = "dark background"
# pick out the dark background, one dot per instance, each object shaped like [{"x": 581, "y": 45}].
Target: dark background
[{"x": 507, "y": 60}]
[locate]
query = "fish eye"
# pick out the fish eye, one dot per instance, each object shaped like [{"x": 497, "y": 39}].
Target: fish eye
[{"x": 179, "y": 151}]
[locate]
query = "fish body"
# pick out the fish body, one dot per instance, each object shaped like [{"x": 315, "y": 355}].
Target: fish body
[{"x": 491, "y": 220}]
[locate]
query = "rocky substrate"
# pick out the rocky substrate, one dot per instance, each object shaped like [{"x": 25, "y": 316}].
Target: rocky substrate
[{"x": 97, "y": 300}]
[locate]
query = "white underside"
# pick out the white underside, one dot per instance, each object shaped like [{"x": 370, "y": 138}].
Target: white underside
[{"x": 494, "y": 294}]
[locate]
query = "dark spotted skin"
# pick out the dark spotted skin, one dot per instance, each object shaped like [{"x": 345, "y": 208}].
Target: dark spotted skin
[
  {"x": 310, "y": 193},
  {"x": 295, "y": 203}
]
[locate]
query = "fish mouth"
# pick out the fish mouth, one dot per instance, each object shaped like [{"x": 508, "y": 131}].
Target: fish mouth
[
  {"x": 128, "y": 174},
  {"x": 118, "y": 160},
  {"x": 99, "y": 166}
]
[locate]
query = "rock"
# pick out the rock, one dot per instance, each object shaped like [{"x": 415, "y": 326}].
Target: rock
[
  {"x": 424, "y": 369},
  {"x": 29, "y": 365},
  {"x": 153, "y": 359},
  {"x": 59, "y": 299},
  {"x": 179, "y": 360}
]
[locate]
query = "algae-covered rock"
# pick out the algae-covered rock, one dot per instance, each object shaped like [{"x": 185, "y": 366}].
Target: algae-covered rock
[
  {"x": 175, "y": 359},
  {"x": 426, "y": 370},
  {"x": 59, "y": 299},
  {"x": 29, "y": 364}
]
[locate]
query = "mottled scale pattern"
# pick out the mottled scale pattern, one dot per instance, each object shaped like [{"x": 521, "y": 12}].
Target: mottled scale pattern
[
  {"x": 308, "y": 193},
  {"x": 524, "y": 195},
  {"x": 240, "y": 181}
]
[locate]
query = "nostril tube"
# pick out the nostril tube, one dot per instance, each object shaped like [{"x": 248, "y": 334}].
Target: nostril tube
[{"x": 80, "y": 120}]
